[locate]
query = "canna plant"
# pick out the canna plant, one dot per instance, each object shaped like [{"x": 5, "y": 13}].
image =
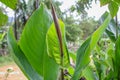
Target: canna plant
[
  {"x": 42, "y": 54},
  {"x": 112, "y": 51}
]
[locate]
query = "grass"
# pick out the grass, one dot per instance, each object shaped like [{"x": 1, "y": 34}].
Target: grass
[{"x": 5, "y": 60}]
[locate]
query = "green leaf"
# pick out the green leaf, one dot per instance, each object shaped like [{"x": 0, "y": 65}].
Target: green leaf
[
  {"x": 98, "y": 33},
  {"x": 3, "y": 18},
  {"x": 53, "y": 45},
  {"x": 10, "y": 3},
  {"x": 33, "y": 44},
  {"x": 84, "y": 51},
  {"x": 104, "y": 2},
  {"x": 73, "y": 56},
  {"x": 111, "y": 29},
  {"x": 111, "y": 75},
  {"x": 117, "y": 56},
  {"x": 70, "y": 70},
  {"x": 82, "y": 60},
  {"x": 111, "y": 55},
  {"x": 88, "y": 73},
  {"x": 2, "y": 36},
  {"x": 20, "y": 58},
  {"x": 111, "y": 35},
  {"x": 113, "y": 8},
  {"x": 118, "y": 1}
]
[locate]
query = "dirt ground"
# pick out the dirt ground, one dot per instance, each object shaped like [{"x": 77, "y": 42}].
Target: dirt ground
[{"x": 14, "y": 73}]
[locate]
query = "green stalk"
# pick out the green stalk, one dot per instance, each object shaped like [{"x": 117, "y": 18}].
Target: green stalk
[
  {"x": 117, "y": 28},
  {"x": 15, "y": 25}
]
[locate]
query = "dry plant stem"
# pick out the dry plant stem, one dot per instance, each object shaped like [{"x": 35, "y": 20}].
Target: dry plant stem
[
  {"x": 36, "y": 4},
  {"x": 59, "y": 34},
  {"x": 6, "y": 75}
]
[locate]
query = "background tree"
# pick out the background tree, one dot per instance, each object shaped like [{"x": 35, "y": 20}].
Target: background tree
[
  {"x": 88, "y": 26},
  {"x": 73, "y": 30}
]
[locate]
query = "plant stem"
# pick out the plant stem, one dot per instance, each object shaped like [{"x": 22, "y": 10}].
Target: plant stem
[
  {"x": 59, "y": 34},
  {"x": 117, "y": 34},
  {"x": 62, "y": 74},
  {"x": 15, "y": 25},
  {"x": 36, "y": 4},
  {"x": 58, "y": 31}
]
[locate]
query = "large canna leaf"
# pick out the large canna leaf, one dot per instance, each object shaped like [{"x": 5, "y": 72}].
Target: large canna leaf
[
  {"x": 84, "y": 51},
  {"x": 20, "y": 58},
  {"x": 53, "y": 45},
  {"x": 33, "y": 44},
  {"x": 10, "y": 3},
  {"x": 111, "y": 29},
  {"x": 81, "y": 60}
]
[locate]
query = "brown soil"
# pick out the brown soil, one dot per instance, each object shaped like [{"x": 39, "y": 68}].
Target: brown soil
[{"x": 14, "y": 74}]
